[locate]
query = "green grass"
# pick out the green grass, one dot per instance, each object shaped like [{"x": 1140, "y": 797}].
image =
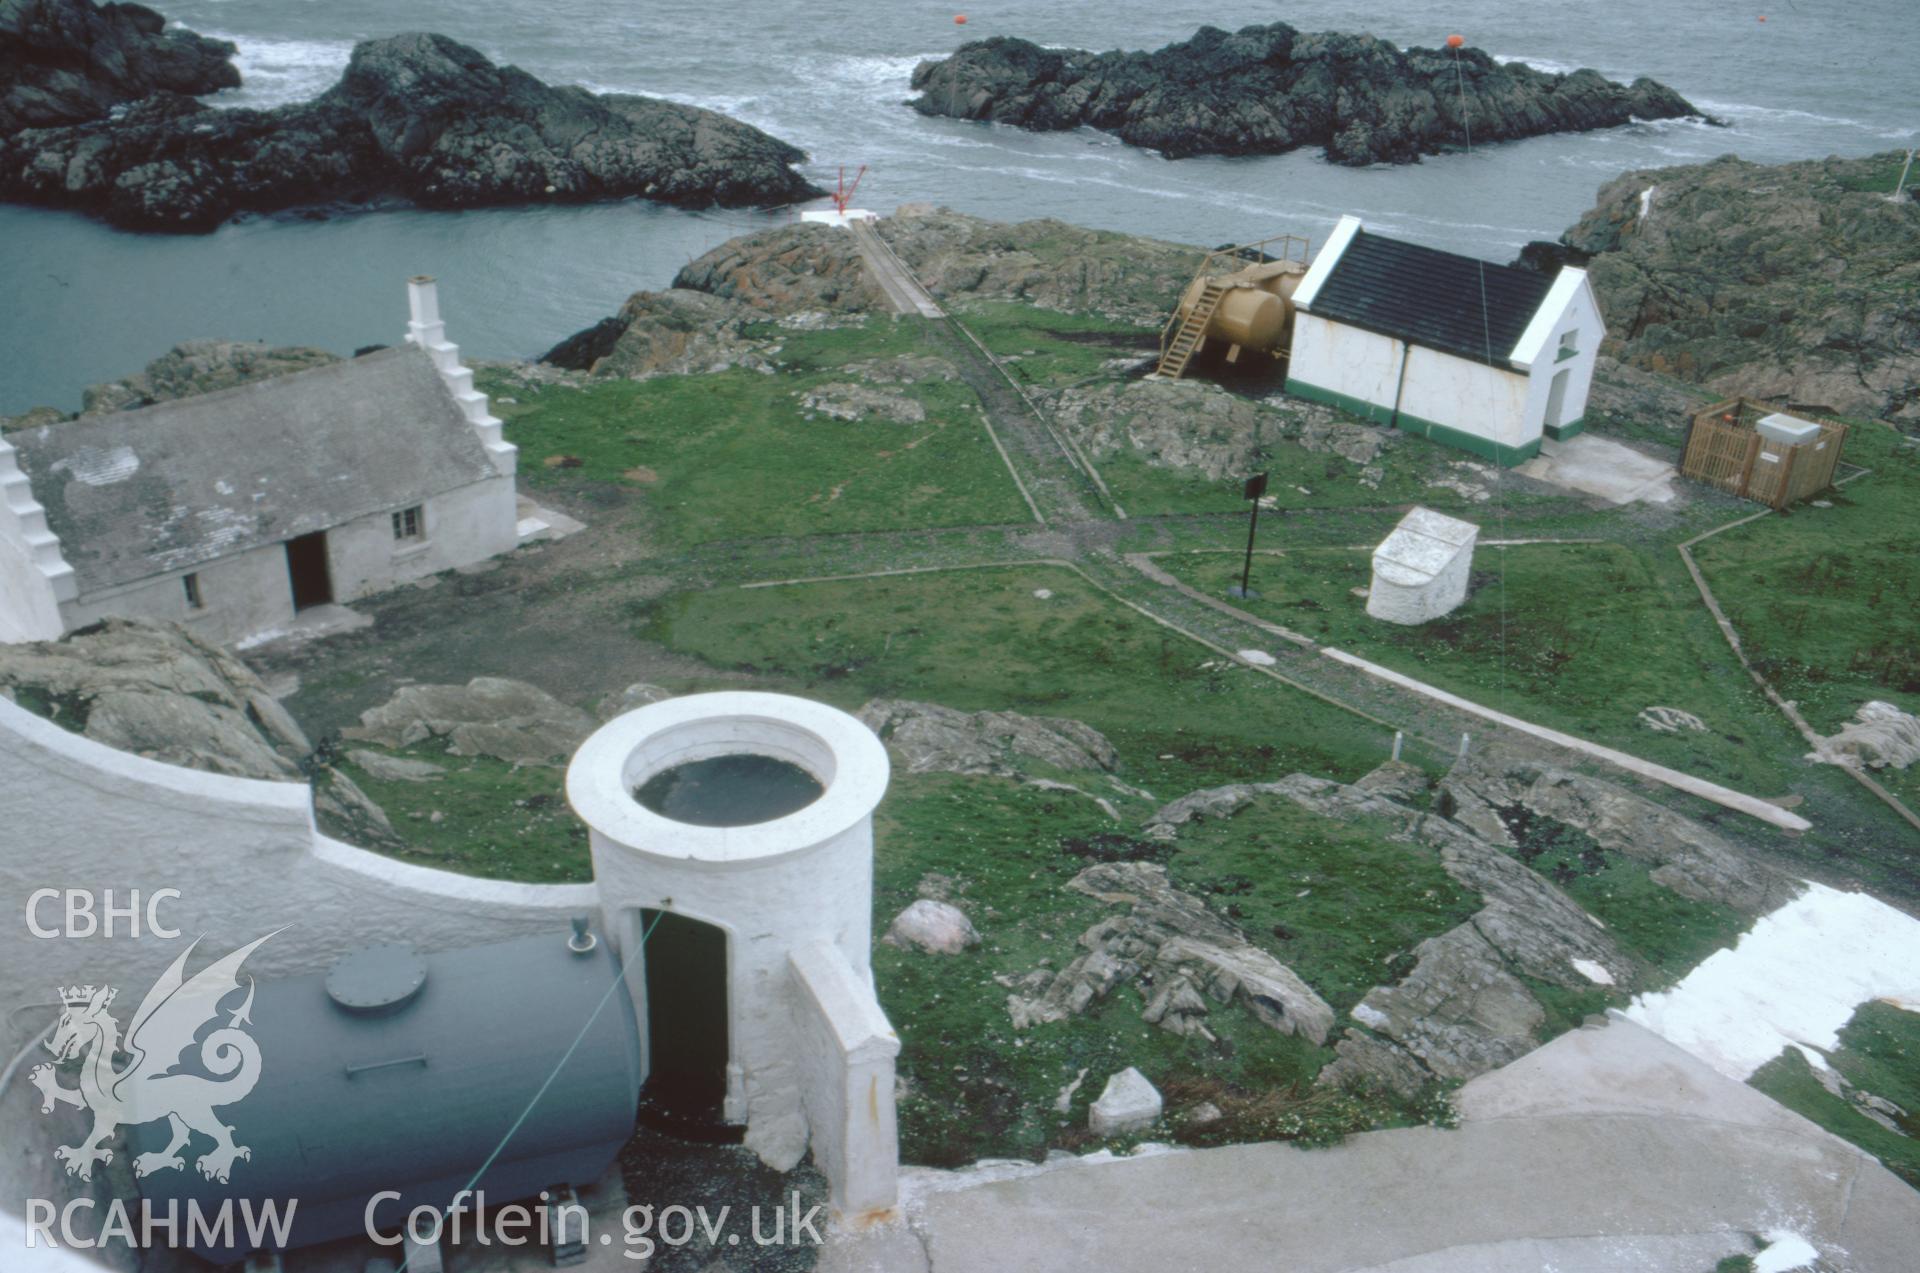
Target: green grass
[
  {"x": 1879, "y": 1053},
  {"x": 977, "y": 1087},
  {"x": 496, "y": 820},
  {"x": 732, "y": 454},
  {"x": 1045, "y": 348},
  {"x": 1575, "y": 637},
  {"x": 1666, "y": 932},
  {"x": 1824, "y": 599},
  {"x": 1351, "y": 904},
  {"x": 980, "y": 640}
]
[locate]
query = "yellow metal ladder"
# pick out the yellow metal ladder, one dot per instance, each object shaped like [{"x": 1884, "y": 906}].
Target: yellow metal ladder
[{"x": 1192, "y": 330}]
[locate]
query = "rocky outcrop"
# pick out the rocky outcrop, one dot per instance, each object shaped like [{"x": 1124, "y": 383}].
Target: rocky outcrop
[
  {"x": 1491, "y": 797},
  {"x": 158, "y": 691},
  {"x": 1880, "y": 736},
  {"x": 201, "y": 366},
  {"x": 811, "y": 275},
  {"x": 416, "y": 117},
  {"x": 929, "y": 738},
  {"x": 1268, "y": 89},
  {"x": 68, "y": 61},
  {"x": 1798, "y": 282},
  {"x": 1462, "y": 1009},
  {"x": 488, "y": 716},
  {"x": 845, "y": 400},
  {"x": 1181, "y": 957},
  {"x": 1195, "y": 425}
]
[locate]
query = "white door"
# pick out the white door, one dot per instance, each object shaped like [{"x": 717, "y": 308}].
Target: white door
[{"x": 1556, "y": 400}]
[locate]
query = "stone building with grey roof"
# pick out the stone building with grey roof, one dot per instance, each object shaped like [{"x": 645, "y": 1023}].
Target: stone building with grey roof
[
  {"x": 1489, "y": 358},
  {"x": 232, "y": 512}
]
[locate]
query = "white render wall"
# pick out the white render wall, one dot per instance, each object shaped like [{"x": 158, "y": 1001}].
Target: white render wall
[
  {"x": 774, "y": 888},
  {"x": 249, "y": 593},
  {"x": 1345, "y": 360},
  {"x": 1489, "y": 403},
  {"x": 245, "y": 593},
  {"x": 1580, "y": 315},
  {"x": 846, "y": 1051},
  {"x": 1486, "y": 402}
]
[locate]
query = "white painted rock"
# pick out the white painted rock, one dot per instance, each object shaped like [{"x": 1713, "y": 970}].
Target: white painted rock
[
  {"x": 938, "y": 928},
  {"x": 1128, "y": 1103}
]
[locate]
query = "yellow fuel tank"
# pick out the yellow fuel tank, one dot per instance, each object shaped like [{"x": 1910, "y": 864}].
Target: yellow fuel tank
[{"x": 1256, "y": 309}]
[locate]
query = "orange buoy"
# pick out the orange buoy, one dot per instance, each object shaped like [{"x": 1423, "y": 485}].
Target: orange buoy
[
  {"x": 1763, "y": 17},
  {"x": 1455, "y": 41},
  {"x": 960, "y": 19}
]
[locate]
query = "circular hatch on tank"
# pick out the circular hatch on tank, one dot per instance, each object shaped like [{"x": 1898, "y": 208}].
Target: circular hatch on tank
[{"x": 376, "y": 978}]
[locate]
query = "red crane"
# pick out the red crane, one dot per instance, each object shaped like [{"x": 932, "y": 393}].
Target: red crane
[{"x": 843, "y": 193}]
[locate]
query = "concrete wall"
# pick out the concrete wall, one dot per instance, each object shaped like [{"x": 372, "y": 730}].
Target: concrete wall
[
  {"x": 33, "y": 576},
  {"x": 845, "y": 1054},
  {"x": 249, "y": 593}
]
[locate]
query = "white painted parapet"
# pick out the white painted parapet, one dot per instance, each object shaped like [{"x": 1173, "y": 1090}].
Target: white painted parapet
[
  {"x": 426, "y": 330},
  {"x": 774, "y": 888},
  {"x": 847, "y": 1050},
  {"x": 1421, "y": 569},
  {"x": 241, "y": 857},
  {"x": 34, "y": 575}
]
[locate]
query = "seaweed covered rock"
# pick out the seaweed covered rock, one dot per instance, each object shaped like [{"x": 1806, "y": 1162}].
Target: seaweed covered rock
[
  {"x": 1269, "y": 89},
  {"x": 416, "y": 117}
]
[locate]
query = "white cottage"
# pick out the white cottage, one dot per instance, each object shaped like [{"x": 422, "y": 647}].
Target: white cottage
[
  {"x": 1485, "y": 357},
  {"x": 231, "y": 512}
]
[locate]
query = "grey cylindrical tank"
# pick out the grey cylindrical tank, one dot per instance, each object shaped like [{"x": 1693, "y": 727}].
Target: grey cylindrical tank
[{"x": 396, "y": 1071}]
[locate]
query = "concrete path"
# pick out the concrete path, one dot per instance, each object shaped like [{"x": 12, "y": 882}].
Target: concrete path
[
  {"x": 901, "y": 289},
  {"x": 1607, "y": 1149},
  {"x": 1600, "y": 466}
]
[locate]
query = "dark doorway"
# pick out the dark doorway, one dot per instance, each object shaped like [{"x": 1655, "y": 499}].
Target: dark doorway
[
  {"x": 686, "y": 962},
  {"x": 307, "y": 568}
]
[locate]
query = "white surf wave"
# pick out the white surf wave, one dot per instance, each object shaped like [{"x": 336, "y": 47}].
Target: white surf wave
[{"x": 276, "y": 72}]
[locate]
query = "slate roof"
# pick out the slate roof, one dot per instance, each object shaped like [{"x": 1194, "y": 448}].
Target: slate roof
[
  {"x": 133, "y": 494},
  {"x": 1428, "y": 297}
]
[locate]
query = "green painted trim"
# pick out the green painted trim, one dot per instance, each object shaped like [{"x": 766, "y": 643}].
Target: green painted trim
[
  {"x": 1485, "y": 448},
  {"x": 1561, "y": 432},
  {"x": 1368, "y": 411}
]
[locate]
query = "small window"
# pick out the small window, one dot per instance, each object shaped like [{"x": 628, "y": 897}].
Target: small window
[
  {"x": 407, "y": 523},
  {"x": 1569, "y": 345},
  {"x": 192, "y": 585}
]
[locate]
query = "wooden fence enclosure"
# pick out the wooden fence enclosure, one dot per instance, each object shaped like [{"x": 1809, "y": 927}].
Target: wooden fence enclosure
[{"x": 1725, "y": 450}]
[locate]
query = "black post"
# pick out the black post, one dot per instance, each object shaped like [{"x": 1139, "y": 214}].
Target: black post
[{"x": 1256, "y": 487}]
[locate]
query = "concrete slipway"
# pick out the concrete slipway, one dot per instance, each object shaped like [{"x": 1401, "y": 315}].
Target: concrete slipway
[{"x": 1607, "y": 1149}]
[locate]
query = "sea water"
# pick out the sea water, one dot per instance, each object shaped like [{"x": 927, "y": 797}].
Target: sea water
[
  {"x": 81, "y": 303},
  {"x": 729, "y": 791}
]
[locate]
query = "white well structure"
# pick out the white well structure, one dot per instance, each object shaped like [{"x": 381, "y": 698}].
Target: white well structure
[{"x": 810, "y": 1054}]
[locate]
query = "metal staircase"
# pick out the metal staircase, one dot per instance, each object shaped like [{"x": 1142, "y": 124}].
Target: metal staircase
[{"x": 1176, "y": 353}]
